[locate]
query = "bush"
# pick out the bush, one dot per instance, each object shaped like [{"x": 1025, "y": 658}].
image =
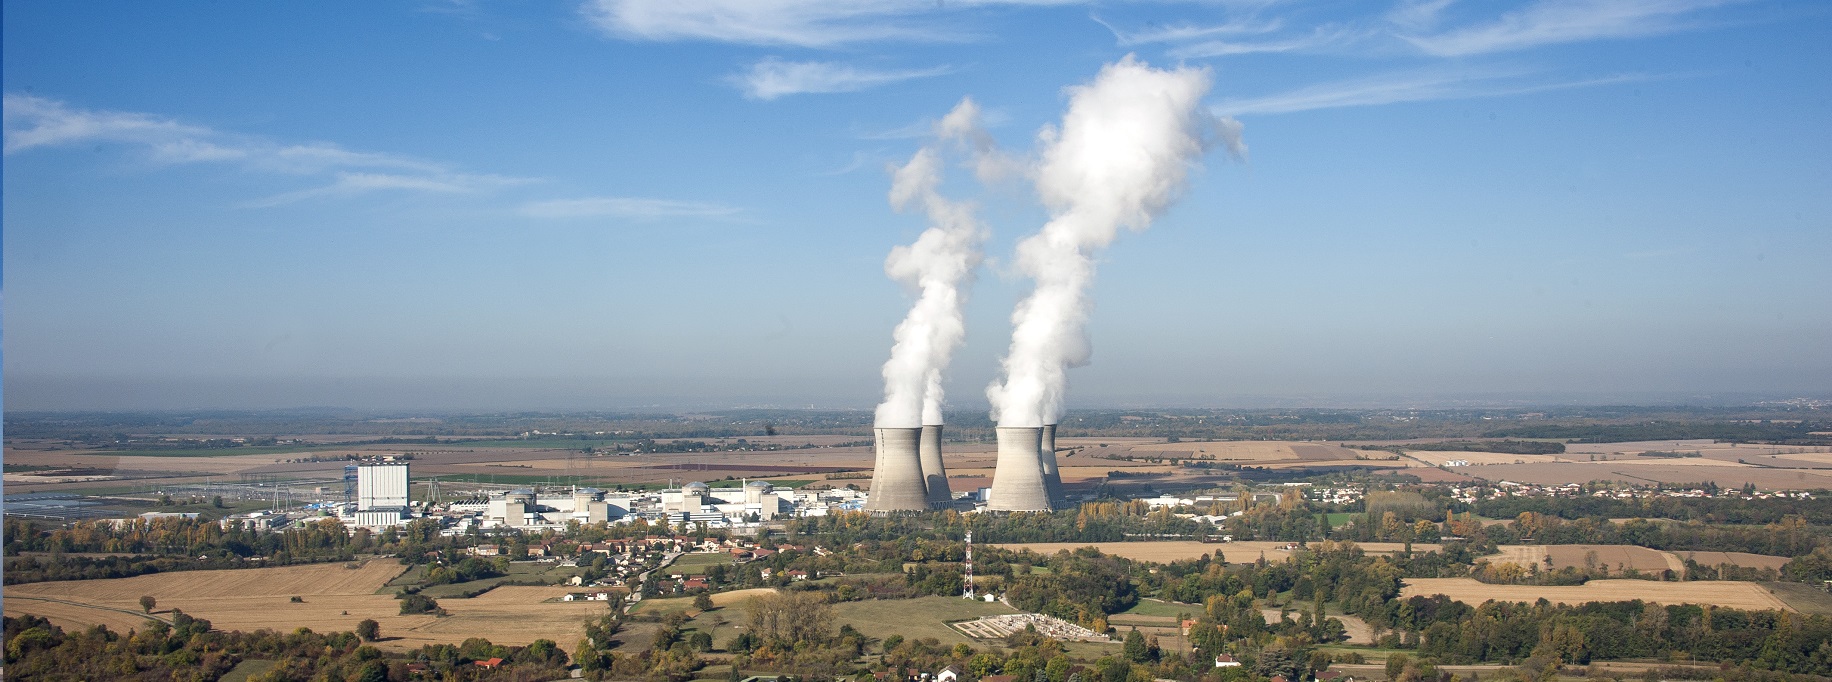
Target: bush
[{"x": 419, "y": 603}]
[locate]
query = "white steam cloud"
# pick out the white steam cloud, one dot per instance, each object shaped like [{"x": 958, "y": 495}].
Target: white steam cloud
[
  {"x": 1126, "y": 145},
  {"x": 939, "y": 265}
]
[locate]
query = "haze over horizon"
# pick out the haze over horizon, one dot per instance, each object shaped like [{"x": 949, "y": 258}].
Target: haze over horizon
[{"x": 614, "y": 204}]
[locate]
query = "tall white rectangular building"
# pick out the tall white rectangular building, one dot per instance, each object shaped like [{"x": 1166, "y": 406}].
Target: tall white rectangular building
[{"x": 381, "y": 487}]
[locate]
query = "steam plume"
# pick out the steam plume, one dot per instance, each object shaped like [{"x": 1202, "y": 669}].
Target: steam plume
[
  {"x": 1126, "y": 144},
  {"x": 939, "y": 265}
]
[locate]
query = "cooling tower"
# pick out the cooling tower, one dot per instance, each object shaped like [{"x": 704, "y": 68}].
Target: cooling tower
[
  {"x": 1046, "y": 455},
  {"x": 896, "y": 481},
  {"x": 934, "y": 475},
  {"x": 1018, "y": 483}
]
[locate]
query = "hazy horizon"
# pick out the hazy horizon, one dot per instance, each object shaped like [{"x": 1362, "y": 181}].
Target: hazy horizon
[{"x": 569, "y": 206}]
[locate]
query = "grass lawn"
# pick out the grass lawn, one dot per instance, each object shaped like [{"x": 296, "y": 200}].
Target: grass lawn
[{"x": 1339, "y": 518}]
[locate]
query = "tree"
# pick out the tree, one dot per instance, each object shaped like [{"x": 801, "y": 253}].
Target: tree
[
  {"x": 1135, "y": 647},
  {"x": 369, "y": 630},
  {"x": 419, "y": 603},
  {"x": 703, "y": 601},
  {"x": 147, "y": 603}
]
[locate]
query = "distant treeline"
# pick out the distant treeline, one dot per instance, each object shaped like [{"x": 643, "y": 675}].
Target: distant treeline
[
  {"x": 1709, "y": 510},
  {"x": 1782, "y": 434},
  {"x": 1511, "y": 447}
]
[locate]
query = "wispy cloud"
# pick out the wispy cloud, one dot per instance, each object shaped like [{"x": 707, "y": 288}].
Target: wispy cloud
[
  {"x": 1418, "y": 14},
  {"x": 803, "y": 23},
  {"x": 1414, "y": 86},
  {"x": 1549, "y": 22},
  {"x": 772, "y": 78},
  {"x": 33, "y": 122},
  {"x": 1322, "y": 36},
  {"x": 639, "y": 208},
  {"x": 1178, "y": 33},
  {"x": 352, "y": 184}
]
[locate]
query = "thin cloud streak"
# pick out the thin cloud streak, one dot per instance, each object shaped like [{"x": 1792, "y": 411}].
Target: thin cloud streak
[
  {"x": 799, "y": 23},
  {"x": 1552, "y": 22},
  {"x": 1394, "y": 88},
  {"x": 639, "y": 208},
  {"x": 350, "y": 184},
  {"x": 33, "y": 122},
  {"x": 1222, "y": 48},
  {"x": 772, "y": 78},
  {"x": 1186, "y": 32}
]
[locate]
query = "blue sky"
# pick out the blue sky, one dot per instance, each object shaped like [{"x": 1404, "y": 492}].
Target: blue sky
[{"x": 484, "y": 205}]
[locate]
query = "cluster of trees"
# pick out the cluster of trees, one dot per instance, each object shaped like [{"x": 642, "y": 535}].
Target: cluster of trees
[
  {"x": 1454, "y": 632},
  {"x": 1081, "y": 586},
  {"x": 188, "y": 649}
]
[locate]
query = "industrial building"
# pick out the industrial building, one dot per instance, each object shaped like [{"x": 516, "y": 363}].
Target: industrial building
[{"x": 381, "y": 495}]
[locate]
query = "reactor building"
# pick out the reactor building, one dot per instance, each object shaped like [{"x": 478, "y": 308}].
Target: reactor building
[{"x": 381, "y": 495}]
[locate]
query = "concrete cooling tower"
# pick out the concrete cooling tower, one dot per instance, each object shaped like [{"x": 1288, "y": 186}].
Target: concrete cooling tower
[
  {"x": 934, "y": 475},
  {"x": 1046, "y": 455},
  {"x": 1018, "y": 483},
  {"x": 896, "y": 481}
]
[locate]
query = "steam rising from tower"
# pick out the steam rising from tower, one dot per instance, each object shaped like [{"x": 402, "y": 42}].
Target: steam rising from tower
[
  {"x": 1126, "y": 144},
  {"x": 939, "y": 266},
  {"x": 1120, "y": 158}
]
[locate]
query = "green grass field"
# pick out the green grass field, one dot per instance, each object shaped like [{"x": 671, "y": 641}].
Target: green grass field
[
  {"x": 915, "y": 618},
  {"x": 690, "y": 564},
  {"x": 1804, "y": 598},
  {"x": 547, "y": 574},
  {"x": 1154, "y": 607},
  {"x": 247, "y": 669},
  {"x": 1339, "y": 518}
]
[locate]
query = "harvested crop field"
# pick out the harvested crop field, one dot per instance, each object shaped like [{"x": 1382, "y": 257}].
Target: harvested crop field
[
  {"x": 1740, "y": 559},
  {"x": 334, "y": 598},
  {"x": 1439, "y": 457},
  {"x": 1733, "y": 594},
  {"x": 1724, "y": 474},
  {"x": 1616, "y": 558},
  {"x": 1167, "y": 551}
]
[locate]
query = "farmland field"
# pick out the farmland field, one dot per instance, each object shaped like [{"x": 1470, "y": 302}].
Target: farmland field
[
  {"x": 334, "y": 598},
  {"x": 1803, "y": 597},
  {"x": 1734, "y": 594},
  {"x": 1167, "y": 551},
  {"x": 1620, "y": 557}
]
